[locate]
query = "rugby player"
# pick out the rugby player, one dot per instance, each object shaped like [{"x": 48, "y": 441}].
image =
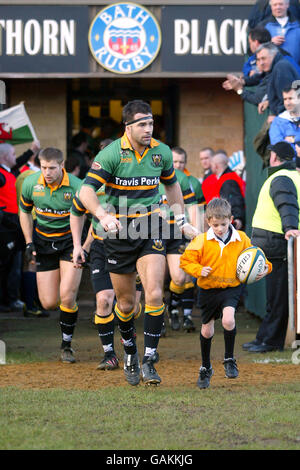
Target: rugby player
[
  {"x": 131, "y": 169},
  {"x": 49, "y": 243}
]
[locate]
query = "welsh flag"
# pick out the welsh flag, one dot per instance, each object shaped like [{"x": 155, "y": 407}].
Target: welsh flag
[{"x": 15, "y": 126}]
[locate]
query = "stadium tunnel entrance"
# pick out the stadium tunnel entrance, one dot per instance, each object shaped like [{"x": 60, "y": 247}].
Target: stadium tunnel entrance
[{"x": 95, "y": 105}]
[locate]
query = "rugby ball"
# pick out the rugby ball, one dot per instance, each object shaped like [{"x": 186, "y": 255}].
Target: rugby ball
[{"x": 250, "y": 263}]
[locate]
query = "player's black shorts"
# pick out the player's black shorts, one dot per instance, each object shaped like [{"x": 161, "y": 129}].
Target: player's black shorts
[
  {"x": 212, "y": 301},
  {"x": 123, "y": 251},
  {"x": 50, "y": 253},
  {"x": 176, "y": 243},
  {"x": 99, "y": 275}
]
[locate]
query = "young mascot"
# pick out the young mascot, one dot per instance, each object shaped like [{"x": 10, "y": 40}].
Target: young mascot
[{"x": 212, "y": 257}]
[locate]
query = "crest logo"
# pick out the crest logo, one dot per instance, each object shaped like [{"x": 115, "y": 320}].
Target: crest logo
[
  {"x": 68, "y": 196},
  {"x": 158, "y": 245},
  {"x": 156, "y": 159},
  {"x": 124, "y": 38}
]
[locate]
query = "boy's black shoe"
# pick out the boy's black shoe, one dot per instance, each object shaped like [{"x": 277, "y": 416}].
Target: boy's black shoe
[
  {"x": 231, "y": 370},
  {"x": 204, "y": 377}
]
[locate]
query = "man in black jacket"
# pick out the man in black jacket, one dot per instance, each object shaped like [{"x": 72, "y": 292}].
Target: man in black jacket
[
  {"x": 11, "y": 237},
  {"x": 275, "y": 220}
]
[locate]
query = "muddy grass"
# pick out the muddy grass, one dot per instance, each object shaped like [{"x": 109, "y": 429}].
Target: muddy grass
[{"x": 179, "y": 356}]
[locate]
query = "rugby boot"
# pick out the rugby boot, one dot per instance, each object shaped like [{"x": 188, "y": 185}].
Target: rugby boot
[
  {"x": 109, "y": 362},
  {"x": 132, "y": 368},
  {"x": 174, "y": 319},
  {"x": 188, "y": 324},
  {"x": 149, "y": 373},
  {"x": 67, "y": 356}
]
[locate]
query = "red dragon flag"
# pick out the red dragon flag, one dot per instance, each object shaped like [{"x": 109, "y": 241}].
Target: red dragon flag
[{"x": 15, "y": 126}]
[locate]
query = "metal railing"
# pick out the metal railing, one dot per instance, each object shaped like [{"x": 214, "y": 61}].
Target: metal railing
[{"x": 293, "y": 277}]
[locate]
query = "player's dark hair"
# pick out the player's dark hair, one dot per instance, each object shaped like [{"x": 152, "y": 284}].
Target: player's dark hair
[
  {"x": 218, "y": 208},
  {"x": 134, "y": 107},
  {"x": 51, "y": 153}
]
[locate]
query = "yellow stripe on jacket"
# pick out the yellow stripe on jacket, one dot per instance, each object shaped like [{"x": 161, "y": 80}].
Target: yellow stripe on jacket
[{"x": 203, "y": 252}]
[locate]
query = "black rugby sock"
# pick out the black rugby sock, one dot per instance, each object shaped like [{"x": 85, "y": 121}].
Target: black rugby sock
[
  {"x": 205, "y": 344},
  {"x": 105, "y": 327},
  {"x": 126, "y": 328},
  {"x": 229, "y": 340},
  {"x": 152, "y": 329},
  {"x": 67, "y": 320}
]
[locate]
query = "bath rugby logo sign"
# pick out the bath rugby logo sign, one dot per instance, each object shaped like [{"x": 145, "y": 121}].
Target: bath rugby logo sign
[{"x": 124, "y": 38}]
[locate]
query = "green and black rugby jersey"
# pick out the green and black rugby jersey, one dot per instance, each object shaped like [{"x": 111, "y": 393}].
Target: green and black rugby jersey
[
  {"x": 52, "y": 204},
  {"x": 187, "y": 193},
  {"x": 195, "y": 187},
  {"x": 132, "y": 180}
]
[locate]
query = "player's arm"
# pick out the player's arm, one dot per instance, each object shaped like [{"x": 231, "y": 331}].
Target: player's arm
[
  {"x": 176, "y": 203},
  {"x": 91, "y": 202},
  {"x": 192, "y": 211},
  {"x": 77, "y": 220},
  {"x": 89, "y": 240},
  {"x": 26, "y": 221},
  {"x": 76, "y": 225}
]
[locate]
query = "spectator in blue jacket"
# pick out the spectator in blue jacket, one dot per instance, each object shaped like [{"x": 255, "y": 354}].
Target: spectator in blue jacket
[
  {"x": 286, "y": 126},
  {"x": 262, "y": 10},
  {"x": 281, "y": 74},
  {"x": 284, "y": 28}
]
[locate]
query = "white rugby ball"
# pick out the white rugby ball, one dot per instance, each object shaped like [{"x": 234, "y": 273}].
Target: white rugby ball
[{"x": 250, "y": 263}]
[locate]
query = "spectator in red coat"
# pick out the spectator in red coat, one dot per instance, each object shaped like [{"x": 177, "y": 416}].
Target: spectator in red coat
[{"x": 226, "y": 184}]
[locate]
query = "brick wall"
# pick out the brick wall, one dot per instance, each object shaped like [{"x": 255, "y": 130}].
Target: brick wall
[
  {"x": 45, "y": 103},
  {"x": 208, "y": 117}
]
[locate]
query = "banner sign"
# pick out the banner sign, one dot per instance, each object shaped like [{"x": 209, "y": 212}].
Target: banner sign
[
  {"x": 206, "y": 38},
  {"x": 44, "y": 39}
]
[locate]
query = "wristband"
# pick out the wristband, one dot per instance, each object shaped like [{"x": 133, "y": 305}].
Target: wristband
[{"x": 180, "y": 220}]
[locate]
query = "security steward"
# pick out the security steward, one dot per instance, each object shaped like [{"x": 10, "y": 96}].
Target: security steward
[{"x": 275, "y": 220}]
